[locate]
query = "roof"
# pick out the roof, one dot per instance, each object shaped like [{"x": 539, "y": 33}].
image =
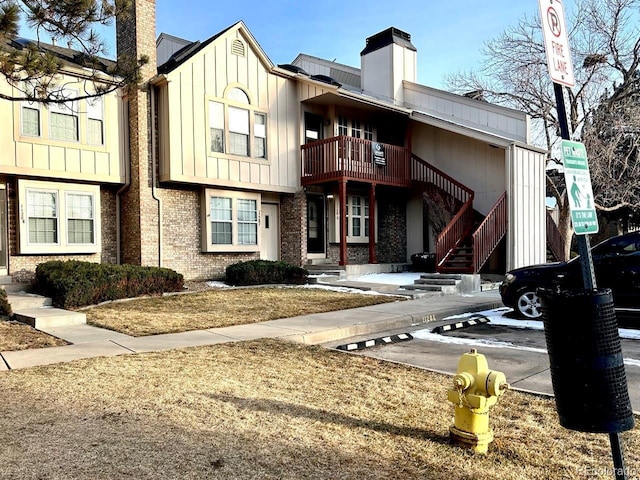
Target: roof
[
  {"x": 192, "y": 48},
  {"x": 68, "y": 56}
]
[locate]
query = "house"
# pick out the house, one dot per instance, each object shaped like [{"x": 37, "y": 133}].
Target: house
[{"x": 222, "y": 156}]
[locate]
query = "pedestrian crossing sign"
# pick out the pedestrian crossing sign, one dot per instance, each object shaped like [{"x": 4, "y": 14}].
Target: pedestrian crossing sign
[{"x": 579, "y": 192}]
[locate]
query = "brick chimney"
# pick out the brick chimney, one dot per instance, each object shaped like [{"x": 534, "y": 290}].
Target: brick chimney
[
  {"x": 388, "y": 58},
  {"x": 136, "y": 37}
]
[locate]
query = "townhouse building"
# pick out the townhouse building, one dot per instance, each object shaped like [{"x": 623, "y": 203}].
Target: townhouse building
[{"x": 223, "y": 156}]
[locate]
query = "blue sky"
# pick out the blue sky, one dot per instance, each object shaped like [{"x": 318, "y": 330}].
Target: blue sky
[{"x": 448, "y": 34}]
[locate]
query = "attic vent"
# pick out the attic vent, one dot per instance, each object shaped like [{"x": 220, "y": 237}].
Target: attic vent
[{"x": 237, "y": 48}]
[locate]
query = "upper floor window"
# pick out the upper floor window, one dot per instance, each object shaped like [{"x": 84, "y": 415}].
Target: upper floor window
[
  {"x": 343, "y": 128},
  {"x": 31, "y": 119},
  {"x": 63, "y": 119},
  {"x": 95, "y": 121},
  {"x": 236, "y": 128},
  {"x": 356, "y": 129}
]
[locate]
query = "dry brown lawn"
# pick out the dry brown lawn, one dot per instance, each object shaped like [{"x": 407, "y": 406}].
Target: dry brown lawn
[
  {"x": 272, "y": 410},
  {"x": 222, "y": 308},
  {"x": 18, "y": 336}
]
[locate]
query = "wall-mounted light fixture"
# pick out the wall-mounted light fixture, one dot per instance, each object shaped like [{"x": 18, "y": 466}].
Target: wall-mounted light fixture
[{"x": 330, "y": 196}]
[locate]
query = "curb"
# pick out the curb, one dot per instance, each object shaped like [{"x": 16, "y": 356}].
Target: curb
[
  {"x": 476, "y": 319},
  {"x": 350, "y": 347}
]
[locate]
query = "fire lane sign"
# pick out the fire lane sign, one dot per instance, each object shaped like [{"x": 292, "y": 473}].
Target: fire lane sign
[
  {"x": 556, "y": 42},
  {"x": 578, "y": 183}
]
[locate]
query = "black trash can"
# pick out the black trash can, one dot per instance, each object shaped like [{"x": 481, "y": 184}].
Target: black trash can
[{"x": 587, "y": 367}]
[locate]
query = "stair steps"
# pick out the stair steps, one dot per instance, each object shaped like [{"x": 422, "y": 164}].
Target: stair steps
[{"x": 36, "y": 310}]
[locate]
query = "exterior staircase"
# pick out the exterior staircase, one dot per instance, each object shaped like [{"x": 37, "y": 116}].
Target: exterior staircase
[
  {"x": 36, "y": 310},
  {"x": 446, "y": 283}
]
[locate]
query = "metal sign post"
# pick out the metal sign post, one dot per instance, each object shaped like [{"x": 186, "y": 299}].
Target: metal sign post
[{"x": 561, "y": 73}]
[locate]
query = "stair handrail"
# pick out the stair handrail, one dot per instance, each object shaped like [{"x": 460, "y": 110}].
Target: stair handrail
[
  {"x": 490, "y": 232},
  {"x": 462, "y": 221},
  {"x": 554, "y": 239}
]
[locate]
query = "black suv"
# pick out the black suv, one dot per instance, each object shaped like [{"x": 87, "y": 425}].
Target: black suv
[{"x": 617, "y": 265}]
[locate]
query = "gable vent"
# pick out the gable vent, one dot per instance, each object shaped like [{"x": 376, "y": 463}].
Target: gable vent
[{"x": 237, "y": 48}]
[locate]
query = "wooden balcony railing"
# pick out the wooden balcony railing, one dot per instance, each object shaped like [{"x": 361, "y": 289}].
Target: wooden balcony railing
[
  {"x": 349, "y": 158},
  {"x": 487, "y": 236},
  {"x": 554, "y": 239}
]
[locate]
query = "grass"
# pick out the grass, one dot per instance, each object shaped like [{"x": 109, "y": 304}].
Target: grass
[
  {"x": 221, "y": 308},
  {"x": 272, "y": 410},
  {"x": 207, "y": 309}
]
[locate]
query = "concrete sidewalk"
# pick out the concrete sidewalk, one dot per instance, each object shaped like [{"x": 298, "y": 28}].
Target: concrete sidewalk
[{"x": 87, "y": 341}]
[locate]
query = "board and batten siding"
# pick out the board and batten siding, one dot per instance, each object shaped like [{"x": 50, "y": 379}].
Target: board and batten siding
[
  {"x": 526, "y": 238},
  {"x": 185, "y": 154},
  {"x": 483, "y": 116},
  {"x": 41, "y": 156},
  {"x": 473, "y": 163}
]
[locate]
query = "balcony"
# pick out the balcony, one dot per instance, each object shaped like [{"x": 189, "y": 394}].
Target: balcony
[{"x": 353, "y": 159}]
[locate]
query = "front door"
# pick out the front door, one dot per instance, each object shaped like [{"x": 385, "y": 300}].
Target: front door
[
  {"x": 315, "y": 224},
  {"x": 269, "y": 234}
]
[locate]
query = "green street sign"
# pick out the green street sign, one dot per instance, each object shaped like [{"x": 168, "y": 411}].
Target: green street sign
[{"x": 579, "y": 191}]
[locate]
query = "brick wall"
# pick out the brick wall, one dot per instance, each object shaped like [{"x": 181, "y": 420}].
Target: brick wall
[
  {"x": 392, "y": 229},
  {"x": 182, "y": 237},
  {"x": 293, "y": 228},
  {"x": 135, "y": 36}
]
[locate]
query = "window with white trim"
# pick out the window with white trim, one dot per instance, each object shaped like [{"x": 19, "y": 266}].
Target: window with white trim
[
  {"x": 230, "y": 221},
  {"x": 58, "y": 217},
  {"x": 343, "y": 128},
  {"x": 30, "y": 119},
  {"x": 95, "y": 121},
  {"x": 235, "y": 127},
  {"x": 357, "y": 217},
  {"x": 63, "y": 119}
]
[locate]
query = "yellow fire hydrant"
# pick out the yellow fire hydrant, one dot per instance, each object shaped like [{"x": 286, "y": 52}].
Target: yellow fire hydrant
[{"x": 475, "y": 390}]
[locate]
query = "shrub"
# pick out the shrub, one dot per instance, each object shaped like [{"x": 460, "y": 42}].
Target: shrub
[
  {"x": 5, "y": 307},
  {"x": 259, "y": 272},
  {"x": 76, "y": 284}
]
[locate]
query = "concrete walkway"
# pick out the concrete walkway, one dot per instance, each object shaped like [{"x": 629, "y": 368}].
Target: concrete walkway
[{"x": 87, "y": 341}]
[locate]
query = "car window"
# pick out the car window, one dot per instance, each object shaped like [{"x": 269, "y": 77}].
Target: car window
[{"x": 618, "y": 246}]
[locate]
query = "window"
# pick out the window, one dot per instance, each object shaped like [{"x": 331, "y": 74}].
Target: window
[
  {"x": 231, "y": 221},
  {"x": 235, "y": 128},
  {"x": 31, "y": 120},
  {"x": 247, "y": 222},
  {"x": 221, "y": 221},
  {"x": 368, "y": 132},
  {"x": 58, "y": 217},
  {"x": 356, "y": 130},
  {"x": 80, "y": 222},
  {"x": 216, "y": 126},
  {"x": 63, "y": 120},
  {"x": 95, "y": 130},
  {"x": 343, "y": 129},
  {"x": 357, "y": 217},
  {"x": 260, "y": 137},
  {"x": 42, "y": 215},
  {"x": 238, "y": 131}
]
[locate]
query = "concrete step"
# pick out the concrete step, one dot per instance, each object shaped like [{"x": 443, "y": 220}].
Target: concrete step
[
  {"x": 25, "y": 300},
  {"x": 435, "y": 281},
  {"x": 443, "y": 289},
  {"x": 14, "y": 287},
  {"x": 441, "y": 276},
  {"x": 49, "y": 317}
]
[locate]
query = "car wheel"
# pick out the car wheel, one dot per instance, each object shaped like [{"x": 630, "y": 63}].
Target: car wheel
[{"x": 528, "y": 304}]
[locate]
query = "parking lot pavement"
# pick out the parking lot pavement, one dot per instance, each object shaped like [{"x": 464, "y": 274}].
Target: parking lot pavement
[{"x": 518, "y": 352}]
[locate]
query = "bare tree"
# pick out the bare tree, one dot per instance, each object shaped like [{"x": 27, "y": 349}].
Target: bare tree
[
  {"x": 605, "y": 44},
  {"x": 34, "y": 67}
]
